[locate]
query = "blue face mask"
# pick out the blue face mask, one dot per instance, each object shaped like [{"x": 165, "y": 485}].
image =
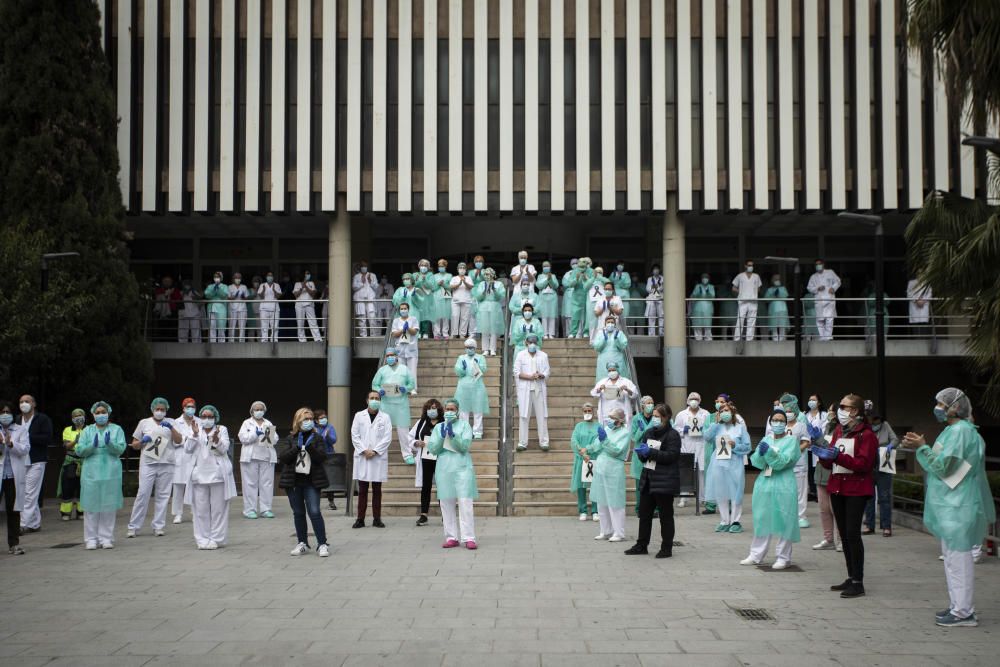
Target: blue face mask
[
  {"x": 307, "y": 425},
  {"x": 423, "y": 269},
  {"x": 778, "y": 427},
  {"x": 726, "y": 417},
  {"x": 374, "y": 405},
  {"x": 432, "y": 413},
  {"x": 391, "y": 361},
  {"x": 532, "y": 348},
  {"x": 6, "y": 419},
  {"x": 450, "y": 416},
  {"x": 528, "y": 314},
  {"x": 442, "y": 269},
  {"x": 656, "y": 422},
  {"x": 189, "y": 411},
  {"x": 546, "y": 269},
  {"x": 611, "y": 424},
  {"x": 940, "y": 414},
  {"x": 101, "y": 420},
  {"x": 471, "y": 351},
  {"x": 479, "y": 265},
  {"x": 404, "y": 313},
  {"x": 323, "y": 421}
]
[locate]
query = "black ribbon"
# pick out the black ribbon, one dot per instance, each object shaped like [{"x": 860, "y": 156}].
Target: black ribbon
[
  {"x": 155, "y": 447},
  {"x": 590, "y": 469}
]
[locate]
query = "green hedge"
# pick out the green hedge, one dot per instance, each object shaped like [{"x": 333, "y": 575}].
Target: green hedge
[{"x": 901, "y": 487}]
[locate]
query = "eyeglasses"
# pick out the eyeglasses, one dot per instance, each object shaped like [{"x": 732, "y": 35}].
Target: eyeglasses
[{"x": 847, "y": 407}]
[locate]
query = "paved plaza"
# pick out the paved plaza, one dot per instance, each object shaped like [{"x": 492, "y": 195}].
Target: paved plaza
[{"x": 539, "y": 591}]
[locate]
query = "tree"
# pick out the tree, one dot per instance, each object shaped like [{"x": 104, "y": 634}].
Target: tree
[
  {"x": 954, "y": 243},
  {"x": 81, "y": 340}
]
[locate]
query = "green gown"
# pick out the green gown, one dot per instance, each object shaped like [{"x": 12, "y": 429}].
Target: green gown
[
  {"x": 608, "y": 487},
  {"x": 547, "y": 303},
  {"x": 777, "y": 310},
  {"x": 454, "y": 474},
  {"x": 623, "y": 289},
  {"x": 775, "y": 503},
  {"x": 424, "y": 282},
  {"x": 584, "y": 434},
  {"x": 520, "y": 329},
  {"x": 101, "y": 476},
  {"x": 395, "y": 404},
  {"x": 471, "y": 391},
  {"x": 441, "y": 295},
  {"x": 489, "y": 316},
  {"x": 639, "y": 426},
  {"x": 959, "y": 516},
  {"x": 703, "y": 309},
  {"x": 409, "y": 296},
  {"x": 611, "y": 348},
  {"x": 567, "y": 296},
  {"x": 728, "y": 310},
  {"x": 218, "y": 298}
]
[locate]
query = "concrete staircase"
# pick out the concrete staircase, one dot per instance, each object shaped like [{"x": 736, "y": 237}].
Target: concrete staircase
[
  {"x": 541, "y": 479},
  {"x": 436, "y": 379}
]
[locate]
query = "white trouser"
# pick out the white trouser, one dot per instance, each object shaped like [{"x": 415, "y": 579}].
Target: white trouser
[
  {"x": 959, "y": 572},
  {"x": 460, "y": 318},
  {"x": 155, "y": 478},
  {"x": 268, "y": 325},
  {"x": 824, "y": 326},
  {"x": 306, "y": 311},
  {"x": 777, "y": 333},
  {"x": 462, "y": 527},
  {"x": 34, "y": 476},
  {"x": 99, "y": 527},
  {"x": 490, "y": 343},
  {"x": 701, "y": 485},
  {"x": 411, "y": 365},
  {"x": 364, "y": 316},
  {"x": 216, "y": 329},
  {"x": 703, "y": 333},
  {"x": 730, "y": 512},
  {"x": 802, "y": 482},
  {"x": 699, "y": 463},
  {"x": 177, "y": 502},
  {"x": 612, "y": 520},
  {"x": 567, "y": 322},
  {"x": 654, "y": 318},
  {"x": 549, "y": 324},
  {"x": 189, "y": 329},
  {"x": 258, "y": 486},
  {"x": 441, "y": 327},
  {"x": 477, "y": 421},
  {"x": 760, "y": 545},
  {"x": 747, "y": 315},
  {"x": 405, "y": 443},
  {"x": 536, "y": 407},
  {"x": 238, "y": 322},
  {"x": 211, "y": 513}
]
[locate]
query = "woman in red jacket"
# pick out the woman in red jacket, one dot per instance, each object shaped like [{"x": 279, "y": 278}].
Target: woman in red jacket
[{"x": 852, "y": 459}]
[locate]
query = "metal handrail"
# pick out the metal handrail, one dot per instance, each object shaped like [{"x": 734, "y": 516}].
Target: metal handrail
[{"x": 506, "y": 506}]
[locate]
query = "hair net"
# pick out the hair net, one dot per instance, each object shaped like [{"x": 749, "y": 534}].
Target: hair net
[
  {"x": 956, "y": 400},
  {"x": 588, "y": 406},
  {"x": 470, "y": 342},
  {"x": 695, "y": 395},
  {"x": 260, "y": 403},
  {"x": 211, "y": 408},
  {"x": 159, "y": 400},
  {"x": 100, "y": 404},
  {"x": 453, "y": 401},
  {"x": 617, "y": 414},
  {"x": 390, "y": 350},
  {"x": 532, "y": 338},
  {"x": 646, "y": 399},
  {"x": 790, "y": 402},
  {"x": 77, "y": 412},
  {"x": 610, "y": 365}
]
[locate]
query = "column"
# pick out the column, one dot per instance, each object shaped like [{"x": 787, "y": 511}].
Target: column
[
  {"x": 338, "y": 313},
  {"x": 674, "y": 315}
]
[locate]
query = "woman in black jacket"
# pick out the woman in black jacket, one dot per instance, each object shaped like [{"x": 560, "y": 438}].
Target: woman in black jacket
[
  {"x": 660, "y": 445},
  {"x": 430, "y": 416},
  {"x": 301, "y": 454}
]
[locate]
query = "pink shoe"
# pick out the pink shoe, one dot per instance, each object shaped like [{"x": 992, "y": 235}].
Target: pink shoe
[
  {"x": 449, "y": 544},
  {"x": 471, "y": 546}
]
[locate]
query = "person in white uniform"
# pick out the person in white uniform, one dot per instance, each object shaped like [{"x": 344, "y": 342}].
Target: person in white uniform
[
  {"x": 305, "y": 292},
  {"x": 364, "y": 288},
  {"x": 614, "y": 393},
  {"x": 461, "y": 286},
  {"x": 257, "y": 459},
  {"x": 654, "y": 302},
  {"x": 523, "y": 272},
  {"x": 406, "y": 333},
  {"x": 371, "y": 435},
  {"x": 383, "y": 305},
  {"x": 189, "y": 315},
  {"x": 691, "y": 424},
  {"x": 269, "y": 293},
  {"x": 14, "y": 450},
  {"x": 611, "y": 305},
  {"x": 531, "y": 372},
  {"x": 182, "y": 461},
  {"x": 920, "y": 304},
  {"x": 156, "y": 438},
  {"x": 746, "y": 287},
  {"x": 238, "y": 295},
  {"x": 823, "y": 285},
  {"x": 212, "y": 484},
  {"x": 38, "y": 432}
]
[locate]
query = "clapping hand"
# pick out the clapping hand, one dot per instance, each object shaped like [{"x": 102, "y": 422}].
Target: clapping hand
[
  {"x": 763, "y": 448},
  {"x": 642, "y": 450},
  {"x": 381, "y": 393},
  {"x": 602, "y": 435},
  {"x": 913, "y": 440},
  {"x": 825, "y": 453},
  {"x": 146, "y": 439}
]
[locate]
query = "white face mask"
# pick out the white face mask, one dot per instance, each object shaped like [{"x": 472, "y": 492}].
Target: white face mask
[
  {"x": 844, "y": 417},
  {"x": 158, "y": 415},
  {"x": 588, "y": 416},
  {"x": 258, "y": 414},
  {"x": 208, "y": 422},
  {"x": 694, "y": 403},
  {"x": 25, "y": 407}
]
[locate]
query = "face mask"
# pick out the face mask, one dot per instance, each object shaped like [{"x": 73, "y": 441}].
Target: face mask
[
  {"x": 588, "y": 416},
  {"x": 217, "y": 280},
  {"x": 450, "y": 416},
  {"x": 307, "y": 425},
  {"x": 258, "y": 414},
  {"x": 525, "y": 289},
  {"x": 704, "y": 281},
  {"x": 876, "y": 427},
  {"x": 776, "y": 283},
  {"x": 749, "y": 269},
  {"x": 528, "y": 314},
  {"x": 364, "y": 269},
  {"x": 726, "y": 417},
  {"x": 407, "y": 282},
  {"x": 189, "y": 411},
  {"x": 778, "y": 427},
  {"x": 237, "y": 281},
  {"x": 208, "y": 422},
  {"x": 718, "y": 406},
  {"x": 620, "y": 267},
  {"x": 323, "y": 421},
  {"x": 101, "y": 420},
  {"x": 694, "y": 403},
  {"x": 613, "y": 375},
  {"x": 813, "y": 404},
  {"x": 546, "y": 269},
  {"x": 647, "y": 409},
  {"x": 25, "y": 407},
  {"x": 423, "y": 269},
  {"x": 471, "y": 351},
  {"x": 844, "y": 417},
  {"x": 655, "y": 422},
  {"x": 374, "y": 405},
  {"x": 940, "y": 414},
  {"x": 522, "y": 262},
  {"x": 432, "y": 413},
  {"x": 442, "y": 269},
  {"x": 819, "y": 267},
  {"x": 77, "y": 421},
  {"x": 479, "y": 265},
  {"x": 404, "y": 312},
  {"x": 308, "y": 277},
  {"x": 611, "y": 424},
  {"x": 391, "y": 361},
  {"x": 158, "y": 415},
  {"x": 6, "y": 419},
  {"x": 656, "y": 272},
  {"x": 599, "y": 274},
  {"x": 461, "y": 272},
  {"x": 532, "y": 348},
  {"x": 790, "y": 416},
  {"x": 270, "y": 279},
  {"x": 609, "y": 327}
]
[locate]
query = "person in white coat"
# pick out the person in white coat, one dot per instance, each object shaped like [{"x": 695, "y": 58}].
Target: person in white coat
[
  {"x": 189, "y": 315},
  {"x": 746, "y": 287},
  {"x": 212, "y": 484},
  {"x": 920, "y": 304},
  {"x": 14, "y": 449},
  {"x": 823, "y": 285},
  {"x": 383, "y": 304},
  {"x": 691, "y": 424},
  {"x": 305, "y": 293},
  {"x": 654, "y": 302},
  {"x": 609, "y": 306},
  {"x": 461, "y": 286},
  {"x": 531, "y": 372},
  {"x": 238, "y": 295},
  {"x": 257, "y": 458},
  {"x": 182, "y": 460},
  {"x": 522, "y": 272},
  {"x": 614, "y": 392},
  {"x": 157, "y": 439},
  {"x": 364, "y": 286},
  {"x": 269, "y": 293},
  {"x": 406, "y": 334},
  {"x": 371, "y": 435}
]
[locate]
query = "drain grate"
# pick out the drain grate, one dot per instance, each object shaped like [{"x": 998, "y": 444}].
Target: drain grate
[
  {"x": 754, "y": 614},
  {"x": 65, "y": 545}
]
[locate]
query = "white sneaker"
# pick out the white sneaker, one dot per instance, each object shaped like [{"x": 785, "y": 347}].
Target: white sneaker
[
  {"x": 130, "y": 533},
  {"x": 978, "y": 558},
  {"x": 212, "y": 546},
  {"x": 840, "y": 547},
  {"x": 177, "y": 518},
  {"x": 300, "y": 549},
  {"x": 682, "y": 503},
  {"x": 108, "y": 545},
  {"x": 942, "y": 558},
  {"x": 583, "y": 517},
  {"x": 615, "y": 538},
  {"x": 601, "y": 536},
  {"x": 158, "y": 533},
  {"x": 202, "y": 547},
  {"x": 780, "y": 565},
  {"x": 596, "y": 517},
  {"x": 825, "y": 545},
  {"x": 749, "y": 561},
  {"x": 91, "y": 546},
  {"x": 323, "y": 551}
]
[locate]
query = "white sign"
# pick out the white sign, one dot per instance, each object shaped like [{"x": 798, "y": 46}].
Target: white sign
[
  {"x": 303, "y": 462},
  {"x": 651, "y": 463},
  {"x": 887, "y": 460},
  {"x": 846, "y": 446},
  {"x": 723, "y": 448},
  {"x": 154, "y": 449},
  {"x": 587, "y": 472},
  {"x": 426, "y": 455}
]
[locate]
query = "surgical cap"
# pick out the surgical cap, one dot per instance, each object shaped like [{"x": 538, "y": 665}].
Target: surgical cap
[
  {"x": 790, "y": 402},
  {"x": 390, "y": 350},
  {"x": 260, "y": 403},
  {"x": 617, "y": 414},
  {"x": 470, "y": 342},
  {"x": 100, "y": 404},
  {"x": 610, "y": 365},
  {"x": 588, "y": 406},
  {"x": 695, "y": 395},
  {"x": 77, "y": 412},
  {"x": 159, "y": 400},
  {"x": 646, "y": 399},
  {"x": 532, "y": 338},
  {"x": 453, "y": 401},
  {"x": 212, "y": 409},
  {"x": 956, "y": 400}
]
